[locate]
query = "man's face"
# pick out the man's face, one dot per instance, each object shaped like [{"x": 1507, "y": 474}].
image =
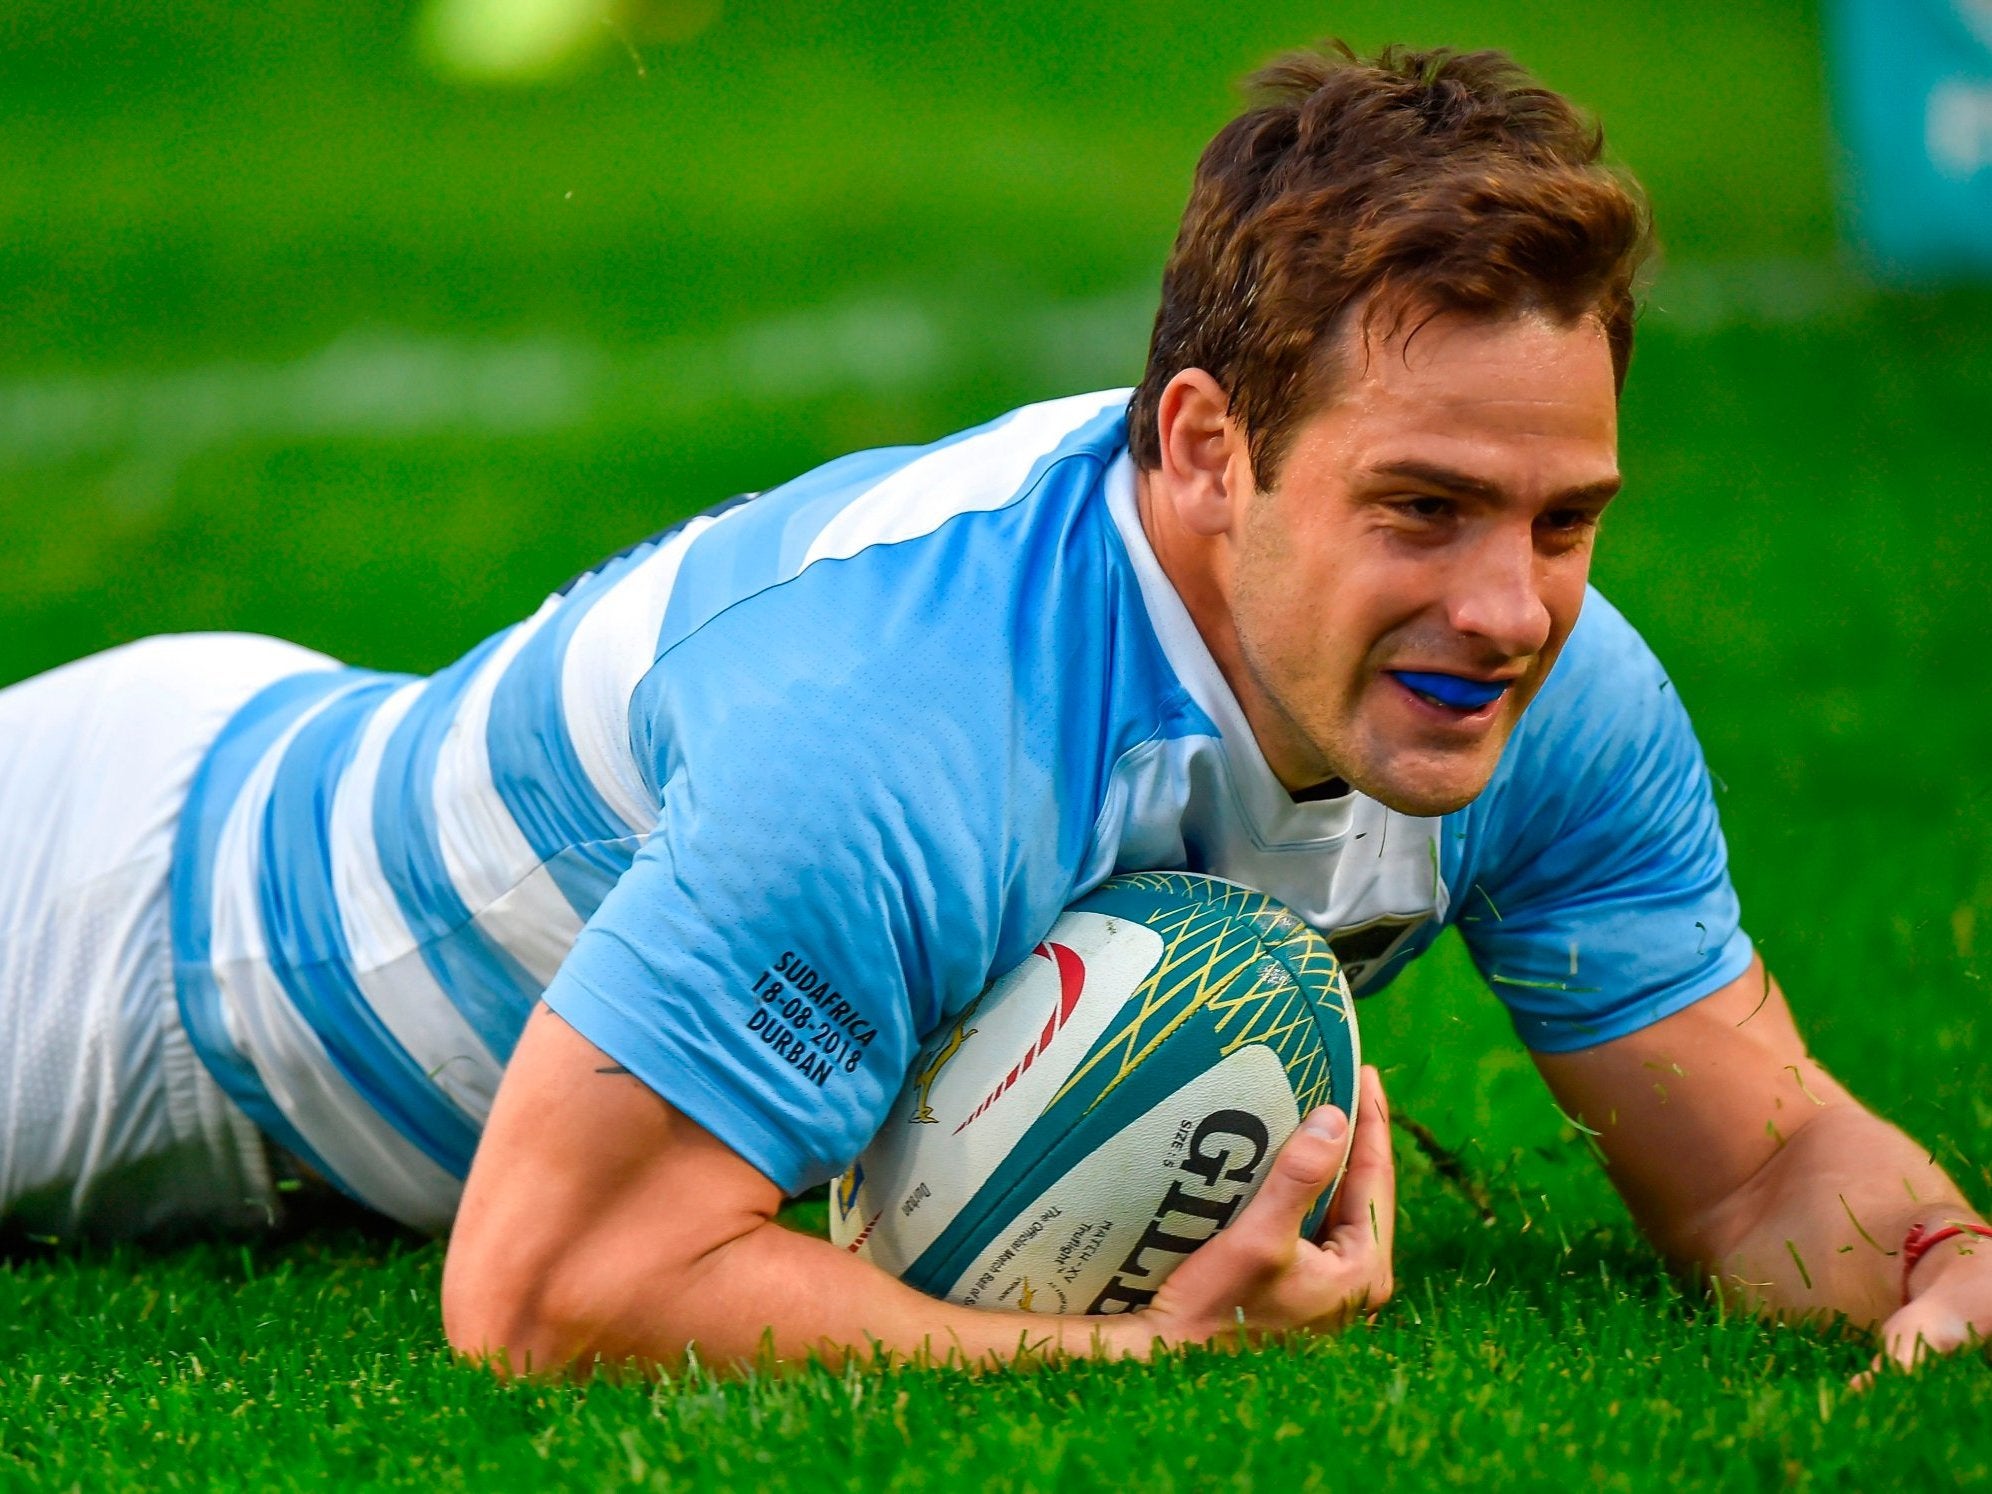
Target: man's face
[{"x": 1402, "y": 589}]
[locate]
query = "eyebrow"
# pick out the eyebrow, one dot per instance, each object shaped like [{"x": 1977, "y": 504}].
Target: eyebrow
[{"x": 1451, "y": 480}]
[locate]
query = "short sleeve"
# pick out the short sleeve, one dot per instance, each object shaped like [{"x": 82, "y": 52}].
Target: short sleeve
[
  {"x": 872, "y": 797},
  {"x": 1591, "y": 881}
]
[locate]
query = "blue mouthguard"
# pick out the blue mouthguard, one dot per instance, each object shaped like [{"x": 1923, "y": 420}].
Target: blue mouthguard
[{"x": 1450, "y": 689}]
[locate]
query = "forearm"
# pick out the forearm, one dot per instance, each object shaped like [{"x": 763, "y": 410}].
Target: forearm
[
  {"x": 618, "y": 1231},
  {"x": 650, "y": 1253},
  {"x": 767, "y": 1291},
  {"x": 1818, "y": 1229}
]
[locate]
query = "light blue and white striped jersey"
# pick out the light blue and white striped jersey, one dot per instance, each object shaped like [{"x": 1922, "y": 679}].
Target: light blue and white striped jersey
[{"x": 863, "y": 736}]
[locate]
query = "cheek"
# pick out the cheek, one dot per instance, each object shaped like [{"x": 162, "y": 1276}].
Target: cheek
[
  {"x": 1324, "y": 603},
  {"x": 1563, "y": 595},
  {"x": 1385, "y": 600},
  {"x": 1328, "y": 611}
]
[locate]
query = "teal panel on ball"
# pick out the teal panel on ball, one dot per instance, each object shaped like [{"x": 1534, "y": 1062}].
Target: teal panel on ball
[{"x": 1236, "y": 969}]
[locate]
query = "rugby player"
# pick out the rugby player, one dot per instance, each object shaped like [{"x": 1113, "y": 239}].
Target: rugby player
[{"x": 1308, "y": 610}]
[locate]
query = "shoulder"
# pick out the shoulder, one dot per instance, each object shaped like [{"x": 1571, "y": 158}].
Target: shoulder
[
  {"x": 989, "y": 557},
  {"x": 986, "y": 499},
  {"x": 971, "y": 597}
]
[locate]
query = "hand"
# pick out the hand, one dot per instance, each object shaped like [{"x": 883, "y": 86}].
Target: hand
[
  {"x": 1950, "y": 1306},
  {"x": 1259, "y": 1275}
]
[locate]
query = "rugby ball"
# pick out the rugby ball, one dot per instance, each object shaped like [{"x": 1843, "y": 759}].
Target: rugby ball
[{"x": 1101, "y": 1110}]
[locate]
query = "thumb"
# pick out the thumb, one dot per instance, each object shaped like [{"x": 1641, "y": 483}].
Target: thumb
[{"x": 1304, "y": 1167}]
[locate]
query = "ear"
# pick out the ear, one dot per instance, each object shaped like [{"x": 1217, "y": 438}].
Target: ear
[{"x": 1206, "y": 469}]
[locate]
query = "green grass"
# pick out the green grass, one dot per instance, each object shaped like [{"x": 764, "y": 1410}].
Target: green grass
[
  {"x": 301, "y": 341},
  {"x": 1557, "y": 1357}
]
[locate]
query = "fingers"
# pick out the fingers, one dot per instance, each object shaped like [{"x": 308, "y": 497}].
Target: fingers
[
  {"x": 1913, "y": 1334},
  {"x": 1363, "y": 1217}
]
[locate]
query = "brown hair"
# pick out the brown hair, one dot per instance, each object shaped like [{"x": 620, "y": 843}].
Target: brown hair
[{"x": 1415, "y": 183}]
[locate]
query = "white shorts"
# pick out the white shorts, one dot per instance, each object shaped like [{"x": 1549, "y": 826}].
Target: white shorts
[{"x": 109, "y": 1124}]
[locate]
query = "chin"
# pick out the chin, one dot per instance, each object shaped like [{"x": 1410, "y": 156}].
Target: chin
[
  {"x": 1424, "y": 795},
  {"x": 1422, "y": 804}
]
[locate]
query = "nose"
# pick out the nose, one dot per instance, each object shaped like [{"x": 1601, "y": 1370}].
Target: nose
[{"x": 1498, "y": 595}]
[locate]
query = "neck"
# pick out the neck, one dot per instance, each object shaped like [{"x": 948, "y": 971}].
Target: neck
[{"x": 1199, "y": 567}]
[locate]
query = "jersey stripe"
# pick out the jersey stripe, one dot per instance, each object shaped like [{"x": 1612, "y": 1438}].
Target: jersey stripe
[
  {"x": 306, "y": 937},
  {"x": 487, "y": 855},
  {"x": 536, "y": 771},
  {"x": 390, "y": 974},
  {"x": 488, "y": 986},
  {"x": 554, "y": 760},
  {"x": 976, "y": 472},
  {"x": 812, "y": 500},
  {"x": 214, "y": 793},
  {"x": 986, "y": 470},
  {"x": 376, "y": 933},
  {"x": 612, "y": 646},
  {"x": 330, "y": 1124},
  {"x": 784, "y": 526}
]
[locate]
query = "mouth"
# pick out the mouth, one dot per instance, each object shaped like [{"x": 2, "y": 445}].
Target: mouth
[{"x": 1457, "y": 697}]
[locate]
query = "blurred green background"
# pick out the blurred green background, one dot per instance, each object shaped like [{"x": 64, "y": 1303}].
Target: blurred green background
[{"x": 307, "y": 334}]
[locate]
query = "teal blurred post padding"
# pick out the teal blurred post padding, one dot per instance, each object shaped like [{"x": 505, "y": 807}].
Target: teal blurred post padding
[{"x": 1914, "y": 79}]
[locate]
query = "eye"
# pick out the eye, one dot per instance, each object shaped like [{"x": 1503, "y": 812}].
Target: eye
[
  {"x": 1569, "y": 520},
  {"x": 1425, "y": 507}
]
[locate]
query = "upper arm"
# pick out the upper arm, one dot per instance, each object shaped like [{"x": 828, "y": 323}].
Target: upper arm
[
  {"x": 589, "y": 1203},
  {"x": 1688, "y": 1109}
]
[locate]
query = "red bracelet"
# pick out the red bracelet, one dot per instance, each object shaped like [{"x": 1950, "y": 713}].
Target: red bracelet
[{"x": 1918, "y": 1243}]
